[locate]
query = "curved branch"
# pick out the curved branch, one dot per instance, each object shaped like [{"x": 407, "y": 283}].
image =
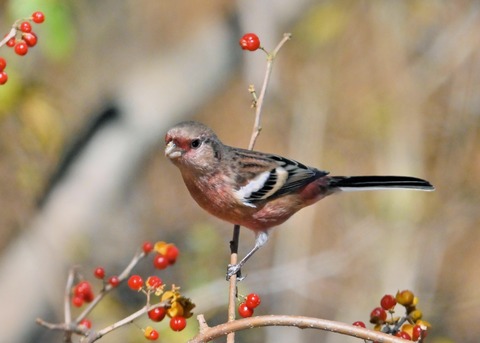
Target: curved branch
[{"x": 210, "y": 333}]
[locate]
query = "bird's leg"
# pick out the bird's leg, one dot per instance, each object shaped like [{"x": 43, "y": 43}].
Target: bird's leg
[{"x": 260, "y": 240}]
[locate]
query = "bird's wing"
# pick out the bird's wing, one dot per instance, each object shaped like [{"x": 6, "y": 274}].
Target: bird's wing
[{"x": 262, "y": 176}]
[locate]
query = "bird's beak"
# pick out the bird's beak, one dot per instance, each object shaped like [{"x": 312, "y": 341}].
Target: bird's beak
[{"x": 172, "y": 151}]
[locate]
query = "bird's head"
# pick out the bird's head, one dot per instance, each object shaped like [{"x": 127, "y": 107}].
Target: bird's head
[{"x": 193, "y": 145}]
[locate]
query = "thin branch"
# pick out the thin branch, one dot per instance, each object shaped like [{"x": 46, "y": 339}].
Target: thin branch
[
  {"x": 300, "y": 322},
  {"x": 232, "y": 291},
  {"x": 66, "y": 305},
  {"x": 107, "y": 288},
  {"x": 259, "y": 103},
  {"x": 93, "y": 336}
]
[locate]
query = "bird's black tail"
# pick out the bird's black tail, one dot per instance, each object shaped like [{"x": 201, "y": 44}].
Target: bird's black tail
[{"x": 366, "y": 183}]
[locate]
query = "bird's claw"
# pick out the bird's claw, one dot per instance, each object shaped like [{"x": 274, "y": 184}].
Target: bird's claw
[{"x": 233, "y": 269}]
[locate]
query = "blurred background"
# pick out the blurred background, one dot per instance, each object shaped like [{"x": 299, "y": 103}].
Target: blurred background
[{"x": 363, "y": 87}]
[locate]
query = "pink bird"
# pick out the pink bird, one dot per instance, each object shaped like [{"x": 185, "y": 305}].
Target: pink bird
[{"x": 254, "y": 189}]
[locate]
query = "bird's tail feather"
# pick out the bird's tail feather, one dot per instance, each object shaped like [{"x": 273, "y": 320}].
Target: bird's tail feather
[{"x": 365, "y": 183}]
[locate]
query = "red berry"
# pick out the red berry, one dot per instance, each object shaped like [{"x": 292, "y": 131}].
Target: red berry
[
  {"x": 253, "y": 300},
  {"x": 21, "y": 48},
  {"x": 114, "y": 281},
  {"x": 135, "y": 282},
  {"x": 404, "y": 335},
  {"x": 157, "y": 314},
  {"x": 30, "y": 38},
  {"x": 38, "y": 17},
  {"x": 11, "y": 42},
  {"x": 178, "y": 323},
  {"x": 82, "y": 288},
  {"x": 99, "y": 273},
  {"x": 150, "y": 333},
  {"x": 160, "y": 261},
  {"x": 250, "y": 41},
  {"x": 25, "y": 27},
  {"x": 88, "y": 297},
  {"x": 378, "y": 316},
  {"x": 416, "y": 332},
  {"x": 359, "y": 323},
  {"x": 245, "y": 311},
  {"x": 77, "y": 301},
  {"x": 388, "y": 302},
  {"x": 147, "y": 247},
  {"x": 172, "y": 253},
  {"x": 3, "y": 78},
  {"x": 154, "y": 282},
  {"x": 3, "y": 64},
  {"x": 85, "y": 322}
]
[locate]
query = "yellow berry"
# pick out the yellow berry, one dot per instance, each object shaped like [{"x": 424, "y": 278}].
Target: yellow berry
[{"x": 405, "y": 298}]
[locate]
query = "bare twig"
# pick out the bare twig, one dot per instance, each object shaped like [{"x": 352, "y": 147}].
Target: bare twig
[
  {"x": 259, "y": 103},
  {"x": 211, "y": 333},
  {"x": 66, "y": 305},
  {"x": 232, "y": 291}
]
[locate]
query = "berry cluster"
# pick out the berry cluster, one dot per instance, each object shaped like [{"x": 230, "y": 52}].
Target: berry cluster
[
  {"x": 21, "y": 39},
  {"x": 245, "y": 309},
  {"x": 175, "y": 305},
  {"x": 166, "y": 254},
  {"x": 82, "y": 292},
  {"x": 410, "y": 326},
  {"x": 179, "y": 308}
]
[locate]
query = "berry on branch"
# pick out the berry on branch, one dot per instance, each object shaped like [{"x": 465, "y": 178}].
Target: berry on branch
[
  {"x": 157, "y": 314},
  {"x": 245, "y": 311},
  {"x": 30, "y": 38},
  {"x": 250, "y": 42},
  {"x": 25, "y": 27},
  {"x": 178, "y": 323},
  {"x": 388, "y": 302},
  {"x": 3, "y": 64},
  {"x": 38, "y": 17},
  {"x": 252, "y": 300},
  {"x": 3, "y": 78},
  {"x": 21, "y": 48},
  {"x": 135, "y": 282},
  {"x": 150, "y": 333},
  {"x": 114, "y": 281},
  {"x": 99, "y": 273}
]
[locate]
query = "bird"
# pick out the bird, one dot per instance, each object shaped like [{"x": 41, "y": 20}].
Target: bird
[{"x": 257, "y": 190}]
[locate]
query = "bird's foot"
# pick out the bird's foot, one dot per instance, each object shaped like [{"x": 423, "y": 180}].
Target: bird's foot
[{"x": 233, "y": 269}]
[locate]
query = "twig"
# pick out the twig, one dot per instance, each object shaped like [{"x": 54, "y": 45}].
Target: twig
[
  {"x": 259, "y": 103},
  {"x": 66, "y": 306},
  {"x": 93, "y": 336},
  {"x": 107, "y": 288},
  {"x": 300, "y": 322},
  {"x": 232, "y": 291}
]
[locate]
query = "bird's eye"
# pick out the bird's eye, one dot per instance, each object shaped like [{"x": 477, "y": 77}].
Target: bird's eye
[{"x": 195, "y": 143}]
